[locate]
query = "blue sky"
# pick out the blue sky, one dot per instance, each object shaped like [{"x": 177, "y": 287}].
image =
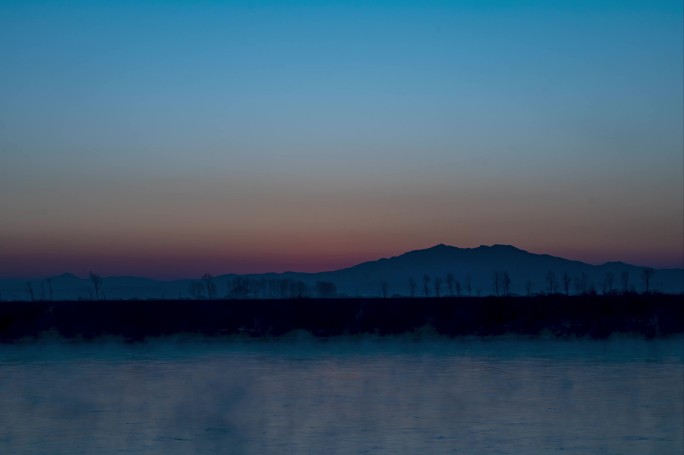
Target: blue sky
[{"x": 255, "y": 135}]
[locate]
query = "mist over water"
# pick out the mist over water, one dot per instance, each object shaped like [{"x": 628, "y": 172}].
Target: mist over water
[{"x": 364, "y": 395}]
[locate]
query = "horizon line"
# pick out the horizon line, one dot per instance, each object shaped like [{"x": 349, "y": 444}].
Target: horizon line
[{"x": 184, "y": 277}]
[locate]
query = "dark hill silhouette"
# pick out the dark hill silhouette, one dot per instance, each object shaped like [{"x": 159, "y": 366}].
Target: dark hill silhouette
[
  {"x": 482, "y": 262},
  {"x": 528, "y": 272}
]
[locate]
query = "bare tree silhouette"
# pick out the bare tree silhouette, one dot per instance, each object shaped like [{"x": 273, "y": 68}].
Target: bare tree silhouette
[
  {"x": 438, "y": 286},
  {"x": 96, "y": 281},
  {"x": 624, "y": 278},
  {"x": 469, "y": 285},
  {"x": 426, "y": 285},
  {"x": 647, "y": 275},
  {"x": 383, "y": 289},
  {"x": 497, "y": 283},
  {"x": 209, "y": 284},
  {"x": 412, "y": 287},
  {"x": 450, "y": 283},
  {"x": 581, "y": 283},
  {"x": 608, "y": 283},
  {"x": 506, "y": 283},
  {"x": 551, "y": 284},
  {"x": 566, "y": 283},
  {"x": 457, "y": 285},
  {"x": 240, "y": 288},
  {"x": 591, "y": 288},
  {"x": 29, "y": 290}
]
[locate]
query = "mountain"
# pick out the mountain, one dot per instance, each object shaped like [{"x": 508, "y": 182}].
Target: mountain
[
  {"x": 474, "y": 269},
  {"x": 525, "y": 270}
]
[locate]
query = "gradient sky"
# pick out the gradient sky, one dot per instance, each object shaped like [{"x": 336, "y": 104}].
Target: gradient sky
[{"x": 173, "y": 138}]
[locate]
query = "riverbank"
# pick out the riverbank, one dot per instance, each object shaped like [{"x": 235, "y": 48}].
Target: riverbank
[{"x": 648, "y": 316}]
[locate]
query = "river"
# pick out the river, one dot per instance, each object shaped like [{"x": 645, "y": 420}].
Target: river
[{"x": 363, "y": 395}]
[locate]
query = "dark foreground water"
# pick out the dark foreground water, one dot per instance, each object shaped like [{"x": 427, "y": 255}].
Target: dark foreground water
[{"x": 344, "y": 396}]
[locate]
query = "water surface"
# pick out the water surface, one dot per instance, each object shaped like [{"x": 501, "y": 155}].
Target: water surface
[{"x": 509, "y": 396}]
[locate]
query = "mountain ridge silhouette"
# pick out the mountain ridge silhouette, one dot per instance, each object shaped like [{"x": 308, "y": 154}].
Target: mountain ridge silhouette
[{"x": 478, "y": 265}]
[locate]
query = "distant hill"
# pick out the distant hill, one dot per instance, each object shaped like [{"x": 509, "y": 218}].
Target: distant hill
[
  {"x": 527, "y": 272},
  {"x": 473, "y": 270}
]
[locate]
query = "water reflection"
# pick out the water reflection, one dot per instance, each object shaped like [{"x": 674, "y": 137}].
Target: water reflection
[{"x": 344, "y": 396}]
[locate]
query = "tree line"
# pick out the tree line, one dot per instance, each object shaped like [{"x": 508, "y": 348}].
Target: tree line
[
  {"x": 580, "y": 284},
  {"x": 244, "y": 287}
]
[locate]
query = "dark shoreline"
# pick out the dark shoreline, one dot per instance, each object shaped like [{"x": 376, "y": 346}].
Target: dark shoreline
[{"x": 598, "y": 317}]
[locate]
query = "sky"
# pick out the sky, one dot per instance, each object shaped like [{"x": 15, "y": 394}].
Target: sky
[{"x": 169, "y": 139}]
